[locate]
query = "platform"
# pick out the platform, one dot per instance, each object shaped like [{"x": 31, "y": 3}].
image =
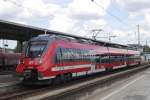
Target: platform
[
  {"x": 8, "y": 79},
  {"x": 136, "y": 89}
]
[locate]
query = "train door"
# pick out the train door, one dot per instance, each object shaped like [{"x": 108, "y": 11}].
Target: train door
[
  {"x": 93, "y": 63},
  {"x": 125, "y": 60},
  {"x": 97, "y": 62}
]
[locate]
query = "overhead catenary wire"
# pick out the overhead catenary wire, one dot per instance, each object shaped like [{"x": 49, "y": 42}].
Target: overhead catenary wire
[
  {"x": 110, "y": 13},
  {"x": 114, "y": 16},
  {"x": 78, "y": 28}
]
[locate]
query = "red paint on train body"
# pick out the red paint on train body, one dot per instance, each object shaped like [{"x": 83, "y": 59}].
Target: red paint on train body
[{"x": 47, "y": 57}]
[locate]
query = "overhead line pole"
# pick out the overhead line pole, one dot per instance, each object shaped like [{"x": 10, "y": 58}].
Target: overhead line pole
[
  {"x": 96, "y": 32},
  {"x": 138, "y": 31}
]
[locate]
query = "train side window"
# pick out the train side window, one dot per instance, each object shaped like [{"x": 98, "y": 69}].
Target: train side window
[
  {"x": 62, "y": 50},
  {"x": 58, "y": 55},
  {"x": 79, "y": 55},
  {"x": 112, "y": 59},
  {"x": 69, "y": 55},
  {"x": 82, "y": 55},
  {"x": 98, "y": 60},
  {"x": 93, "y": 59},
  {"x": 65, "y": 55},
  {"x": 73, "y": 55},
  {"x": 104, "y": 59},
  {"x": 125, "y": 57}
]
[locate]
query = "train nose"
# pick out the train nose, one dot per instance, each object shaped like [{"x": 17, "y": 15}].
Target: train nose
[{"x": 33, "y": 63}]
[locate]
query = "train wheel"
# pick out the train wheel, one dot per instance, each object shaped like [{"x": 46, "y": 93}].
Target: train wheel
[
  {"x": 63, "y": 78},
  {"x": 57, "y": 80},
  {"x": 109, "y": 69},
  {"x": 69, "y": 77},
  {"x": 66, "y": 77}
]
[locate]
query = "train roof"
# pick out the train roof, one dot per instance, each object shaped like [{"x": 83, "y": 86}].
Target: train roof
[{"x": 21, "y": 32}]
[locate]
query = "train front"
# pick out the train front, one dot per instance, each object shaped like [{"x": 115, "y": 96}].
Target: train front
[{"x": 31, "y": 63}]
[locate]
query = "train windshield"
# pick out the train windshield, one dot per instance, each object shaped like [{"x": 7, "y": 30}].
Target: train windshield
[{"x": 36, "y": 49}]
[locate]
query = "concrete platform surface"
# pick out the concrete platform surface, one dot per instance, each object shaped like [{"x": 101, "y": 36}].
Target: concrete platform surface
[
  {"x": 136, "y": 89},
  {"x": 7, "y": 79}
]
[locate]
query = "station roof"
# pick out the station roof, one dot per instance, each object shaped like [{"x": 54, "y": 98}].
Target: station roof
[
  {"x": 20, "y": 32},
  {"x": 15, "y": 31}
]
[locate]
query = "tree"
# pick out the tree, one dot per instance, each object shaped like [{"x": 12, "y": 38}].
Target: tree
[
  {"x": 146, "y": 48},
  {"x": 18, "y": 47}
]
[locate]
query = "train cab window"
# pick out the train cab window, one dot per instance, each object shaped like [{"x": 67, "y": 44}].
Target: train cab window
[{"x": 36, "y": 48}]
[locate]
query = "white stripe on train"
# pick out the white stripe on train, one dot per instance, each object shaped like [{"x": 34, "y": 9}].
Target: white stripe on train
[
  {"x": 60, "y": 68},
  {"x": 93, "y": 70}
]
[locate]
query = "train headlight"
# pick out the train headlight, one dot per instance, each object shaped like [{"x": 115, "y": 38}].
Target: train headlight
[{"x": 40, "y": 61}]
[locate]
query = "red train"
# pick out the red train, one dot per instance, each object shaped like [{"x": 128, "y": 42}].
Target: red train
[
  {"x": 61, "y": 58},
  {"x": 9, "y": 60}
]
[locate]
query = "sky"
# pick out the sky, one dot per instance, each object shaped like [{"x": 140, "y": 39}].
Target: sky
[{"x": 79, "y": 17}]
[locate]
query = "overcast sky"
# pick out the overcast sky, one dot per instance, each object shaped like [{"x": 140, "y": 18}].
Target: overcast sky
[{"x": 79, "y": 17}]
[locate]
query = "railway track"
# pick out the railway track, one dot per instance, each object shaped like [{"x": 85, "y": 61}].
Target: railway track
[{"x": 53, "y": 92}]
